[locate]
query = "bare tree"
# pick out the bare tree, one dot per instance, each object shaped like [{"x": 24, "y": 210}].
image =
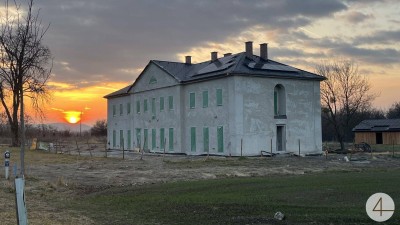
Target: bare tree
[
  {"x": 99, "y": 128},
  {"x": 25, "y": 65},
  {"x": 394, "y": 111},
  {"x": 344, "y": 93}
]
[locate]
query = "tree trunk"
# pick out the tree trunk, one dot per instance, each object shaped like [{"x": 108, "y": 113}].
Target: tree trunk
[{"x": 14, "y": 134}]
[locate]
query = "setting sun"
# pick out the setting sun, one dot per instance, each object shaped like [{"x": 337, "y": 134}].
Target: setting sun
[{"x": 72, "y": 116}]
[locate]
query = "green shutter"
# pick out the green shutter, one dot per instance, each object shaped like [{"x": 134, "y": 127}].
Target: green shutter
[
  {"x": 205, "y": 99},
  {"x": 206, "y": 137},
  {"x": 162, "y": 139},
  {"x": 220, "y": 137},
  {"x": 192, "y": 100},
  {"x": 128, "y": 135},
  {"x": 275, "y": 103},
  {"x": 171, "y": 102},
  {"x": 153, "y": 106},
  {"x": 193, "y": 139},
  {"x": 114, "y": 138},
  {"x": 114, "y": 110},
  {"x": 145, "y": 108},
  {"x": 161, "y": 104},
  {"x": 120, "y": 109},
  {"x": 138, "y": 137},
  {"x": 171, "y": 139},
  {"x": 153, "y": 138},
  {"x": 146, "y": 139},
  {"x": 128, "y": 108},
  {"x": 219, "y": 97},
  {"x": 137, "y": 106},
  {"x": 121, "y": 139}
]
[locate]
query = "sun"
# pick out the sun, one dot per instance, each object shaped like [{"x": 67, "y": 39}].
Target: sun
[{"x": 72, "y": 116}]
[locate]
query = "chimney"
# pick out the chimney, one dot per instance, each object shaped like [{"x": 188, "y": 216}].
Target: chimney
[
  {"x": 214, "y": 56},
  {"x": 249, "y": 48},
  {"x": 264, "y": 51},
  {"x": 188, "y": 59},
  {"x": 227, "y": 54}
]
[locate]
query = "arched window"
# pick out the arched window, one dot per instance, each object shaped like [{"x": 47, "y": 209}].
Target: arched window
[{"x": 279, "y": 100}]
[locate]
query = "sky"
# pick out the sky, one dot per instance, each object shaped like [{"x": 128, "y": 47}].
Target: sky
[{"x": 100, "y": 46}]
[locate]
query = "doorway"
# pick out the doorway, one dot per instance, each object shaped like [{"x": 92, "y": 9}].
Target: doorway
[
  {"x": 379, "y": 138},
  {"x": 280, "y": 138}
]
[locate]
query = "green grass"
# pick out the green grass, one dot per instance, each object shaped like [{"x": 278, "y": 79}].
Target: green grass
[{"x": 324, "y": 198}]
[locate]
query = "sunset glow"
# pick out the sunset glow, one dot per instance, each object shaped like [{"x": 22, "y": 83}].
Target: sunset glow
[{"x": 72, "y": 116}]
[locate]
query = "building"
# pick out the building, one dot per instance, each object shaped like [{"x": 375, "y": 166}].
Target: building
[
  {"x": 238, "y": 104},
  {"x": 382, "y": 131}
]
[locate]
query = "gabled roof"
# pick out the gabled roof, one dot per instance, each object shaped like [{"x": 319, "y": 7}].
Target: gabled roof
[
  {"x": 238, "y": 64},
  {"x": 381, "y": 125}
]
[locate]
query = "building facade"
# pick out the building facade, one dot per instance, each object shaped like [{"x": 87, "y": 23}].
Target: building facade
[{"x": 238, "y": 104}]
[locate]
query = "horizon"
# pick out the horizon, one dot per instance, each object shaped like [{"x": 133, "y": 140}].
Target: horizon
[{"x": 100, "y": 47}]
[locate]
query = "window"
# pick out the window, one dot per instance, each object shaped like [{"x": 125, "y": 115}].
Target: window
[
  {"x": 192, "y": 100},
  {"x": 121, "y": 139},
  {"x": 153, "y": 107},
  {"x": 120, "y": 109},
  {"x": 193, "y": 139},
  {"x": 146, "y": 138},
  {"x": 153, "y": 80},
  {"x": 128, "y": 134},
  {"x": 161, "y": 104},
  {"x": 171, "y": 102},
  {"x": 205, "y": 99},
  {"x": 171, "y": 139},
  {"x": 138, "y": 137},
  {"x": 219, "y": 97},
  {"x": 114, "y": 110},
  {"x": 128, "y": 108},
  {"x": 162, "y": 139},
  {"x": 279, "y": 101},
  {"x": 145, "y": 108},
  {"x": 114, "y": 138},
  {"x": 206, "y": 138},
  {"x": 153, "y": 138},
  {"x": 220, "y": 138},
  {"x": 137, "y": 106}
]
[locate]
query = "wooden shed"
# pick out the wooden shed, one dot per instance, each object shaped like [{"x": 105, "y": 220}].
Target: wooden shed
[{"x": 383, "y": 131}]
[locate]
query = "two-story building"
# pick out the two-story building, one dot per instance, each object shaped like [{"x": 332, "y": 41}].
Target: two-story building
[{"x": 238, "y": 104}]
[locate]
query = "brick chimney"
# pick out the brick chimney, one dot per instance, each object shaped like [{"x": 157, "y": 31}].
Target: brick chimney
[
  {"x": 188, "y": 59},
  {"x": 264, "y": 51},
  {"x": 214, "y": 56},
  {"x": 249, "y": 48}
]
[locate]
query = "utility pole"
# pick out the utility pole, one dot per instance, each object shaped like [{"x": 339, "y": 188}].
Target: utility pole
[{"x": 80, "y": 125}]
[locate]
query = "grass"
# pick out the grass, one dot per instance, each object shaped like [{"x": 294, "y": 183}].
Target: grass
[{"x": 324, "y": 198}]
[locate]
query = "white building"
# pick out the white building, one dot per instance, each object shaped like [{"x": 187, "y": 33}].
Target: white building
[{"x": 233, "y": 105}]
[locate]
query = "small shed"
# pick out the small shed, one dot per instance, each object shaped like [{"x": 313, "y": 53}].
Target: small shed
[{"x": 382, "y": 131}]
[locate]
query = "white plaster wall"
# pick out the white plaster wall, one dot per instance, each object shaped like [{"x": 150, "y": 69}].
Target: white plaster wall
[
  {"x": 254, "y": 115},
  {"x": 212, "y": 117},
  {"x": 118, "y": 122}
]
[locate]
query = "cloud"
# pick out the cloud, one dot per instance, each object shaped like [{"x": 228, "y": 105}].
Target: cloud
[
  {"x": 357, "y": 17},
  {"x": 102, "y": 38}
]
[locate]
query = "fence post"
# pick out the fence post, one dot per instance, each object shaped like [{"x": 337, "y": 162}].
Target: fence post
[
  {"x": 271, "y": 146},
  {"x": 241, "y": 146},
  {"x": 299, "y": 147}
]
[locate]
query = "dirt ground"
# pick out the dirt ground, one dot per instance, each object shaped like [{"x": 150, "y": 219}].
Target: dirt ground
[{"x": 50, "y": 175}]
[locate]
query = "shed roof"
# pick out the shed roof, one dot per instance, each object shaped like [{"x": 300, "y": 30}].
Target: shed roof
[{"x": 382, "y": 125}]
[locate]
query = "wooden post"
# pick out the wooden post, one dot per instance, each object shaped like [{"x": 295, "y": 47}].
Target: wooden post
[
  {"x": 241, "y": 147},
  {"x": 165, "y": 140},
  {"x": 393, "y": 149},
  {"x": 77, "y": 148},
  {"x": 299, "y": 147},
  {"x": 271, "y": 146},
  {"x": 123, "y": 149}
]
